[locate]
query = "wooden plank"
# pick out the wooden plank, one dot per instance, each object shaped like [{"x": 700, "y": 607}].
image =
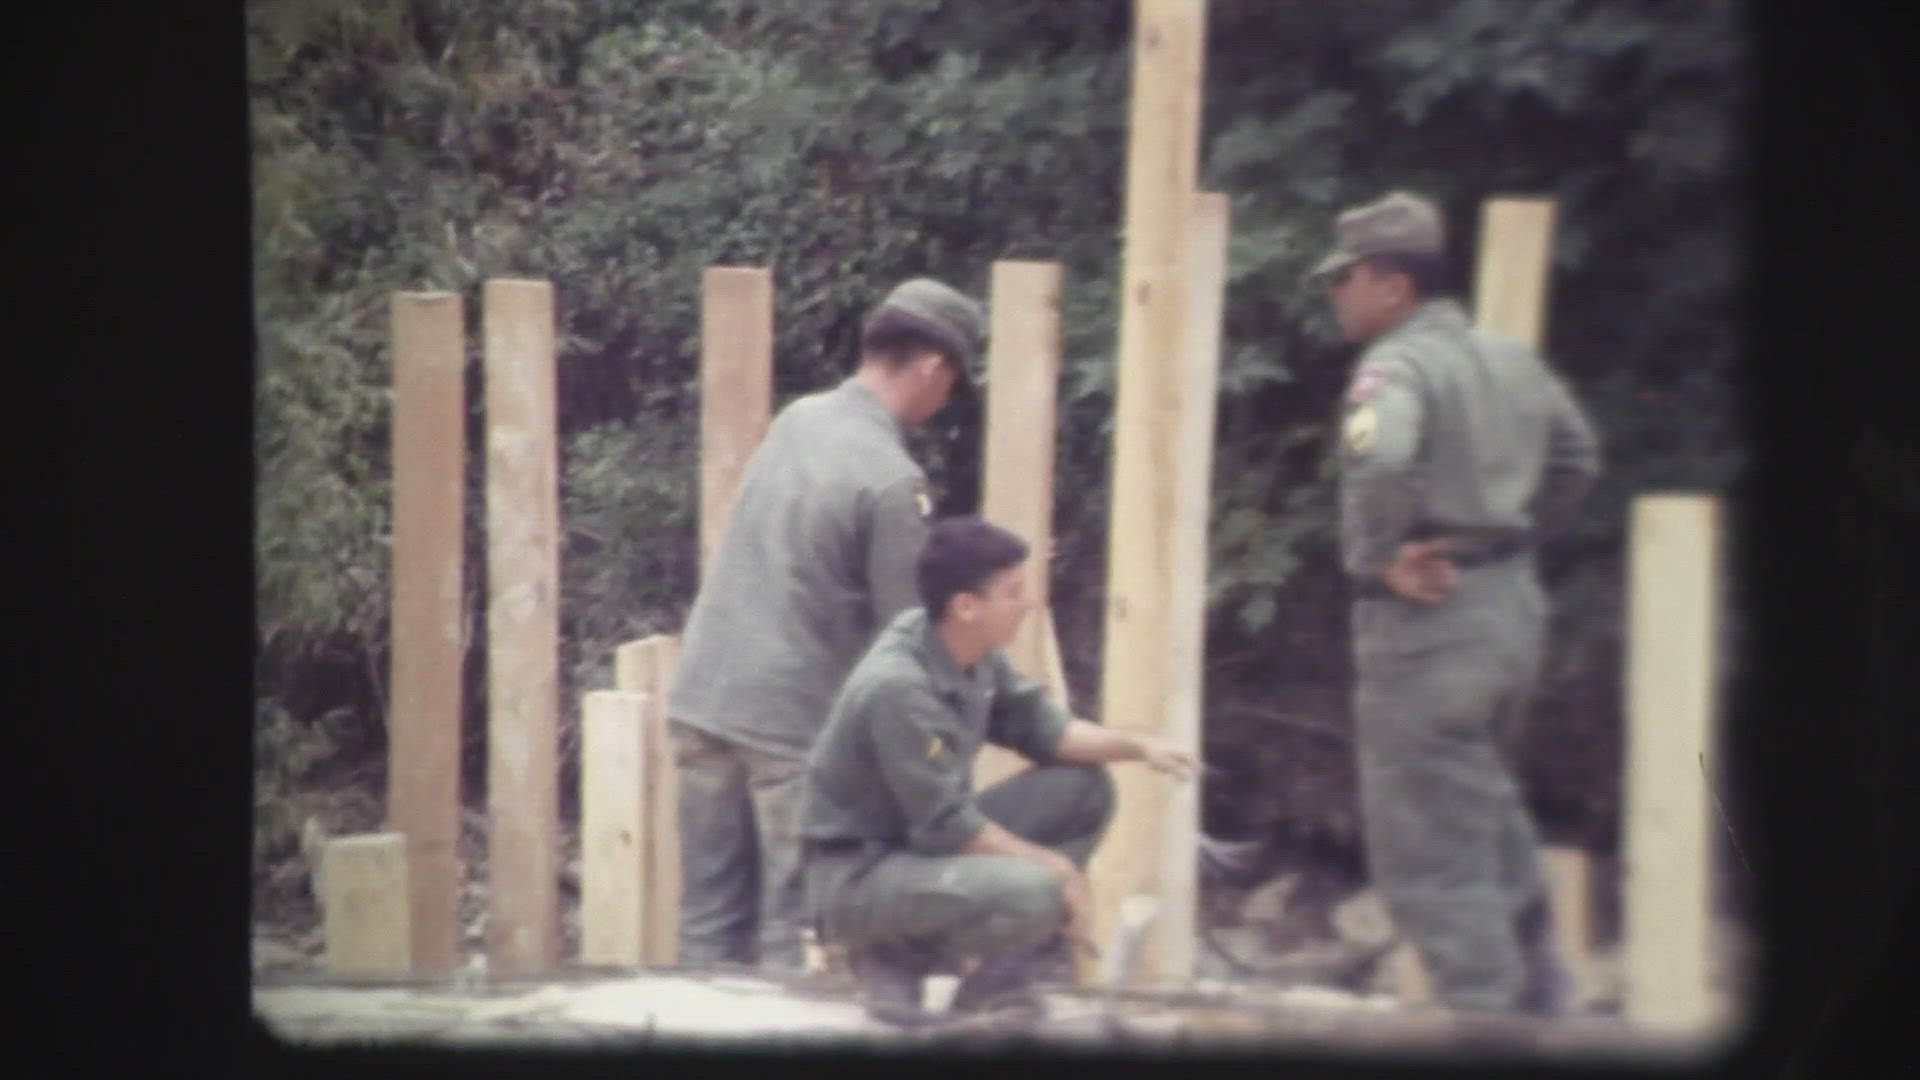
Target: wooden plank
[
  {"x": 1669, "y": 694},
  {"x": 662, "y": 940},
  {"x": 1162, "y": 152},
  {"x": 1169, "y": 44},
  {"x": 365, "y": 912},
  {"x": 423, "y": 720},
  {"x": 1570, "y": 889},
  {"x": 1024, "y": 372},
  {"x": 736, "y": 387},
  {"x": 612, "y": 796},
  {"x": 1023, "y": 375},
  {"x": 1174, "y": 931},
  {"x": 646, "y": 667},
  {"x": 1512, "y": 272},
  {"x": 523, "y": 930},
  {"x": 632, "y": 666}
]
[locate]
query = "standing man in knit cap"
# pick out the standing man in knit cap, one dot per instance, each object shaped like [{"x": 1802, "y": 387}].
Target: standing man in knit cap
[
  {"x": 818, "y": 555},
  {"x": 1458, "y": 448}
]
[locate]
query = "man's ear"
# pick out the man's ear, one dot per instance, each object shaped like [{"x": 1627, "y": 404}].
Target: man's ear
[{"x": 964, "y": 606}]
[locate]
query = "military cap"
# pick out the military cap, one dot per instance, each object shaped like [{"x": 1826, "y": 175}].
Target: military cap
[
  {"x": 1402, "y": 223},
  {"x": 952, "y": 318}
]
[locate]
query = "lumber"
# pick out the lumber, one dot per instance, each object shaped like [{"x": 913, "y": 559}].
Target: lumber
[
  {"x": 1136, "y": 668},
  {"x": 646, "y": 667},
  {"x": 1512, "y": 273},
  {"x": 423, "y": 718},
  {"x": 522, "y": 628},
  {"x": 1669, "y": 694},
  {"x": 1023, "y": 373},
  {"x": 613, "y": 791},
  {"x": 736, "y": 388},
  {"x": 365, "y": 911}
]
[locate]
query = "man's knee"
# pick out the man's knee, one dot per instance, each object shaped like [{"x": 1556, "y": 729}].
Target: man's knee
[
  {"x": 1092, "y": 790},
  {"x": 1021, "y": 906}
]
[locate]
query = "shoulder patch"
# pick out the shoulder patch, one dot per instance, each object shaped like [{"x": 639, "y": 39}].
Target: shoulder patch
[
  {"x": 1359, "y": 429},
  {"x": 923, "y": 500},
  {"x": 1371, "y": 376},
  {"x": 934, "y": 746}
]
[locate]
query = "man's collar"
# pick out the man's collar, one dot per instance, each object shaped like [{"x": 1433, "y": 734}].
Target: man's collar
[
  {"x": 941, "y": 666},
  {"x": 868, "y": 400},
  {"x": 1438, "y": 314}
]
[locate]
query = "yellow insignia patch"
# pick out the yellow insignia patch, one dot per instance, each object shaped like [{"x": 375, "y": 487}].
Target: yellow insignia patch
[
  {"x": 925, "y": 503},
  {"x": 1359, "y": 429},
  {"x": 934, "y": 746}
]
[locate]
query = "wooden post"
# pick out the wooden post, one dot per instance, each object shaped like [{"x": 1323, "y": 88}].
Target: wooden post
[
  {"x": 423, "y": 722},
  {"x": 1510, "y": 278},
  {"x": 1670, "y": 663},
  {"x": 1136, "y": 670},
  {"x": 613, "y": 790},
  {"x": 1024, "y": 369},
  {"x": 365, "y": 909},
  {"x": 1510, "y": 293},
  {"x": 646, "y": 667},
  {"x": 1187, "y": 603},
  {"x": 522, "y": 628},
  {"x": 1570, "y": 893},
  {"x": 736, "y": 387}
]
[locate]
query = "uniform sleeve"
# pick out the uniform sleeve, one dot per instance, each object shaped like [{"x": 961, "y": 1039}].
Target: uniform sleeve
[
  {"x": 914, "y": 737},
  {"x": 1379, "y": 443},
  {"x": 1024, "y": 717},
  {"x": 1573, "y": 460},
  {"x": 896, "y": 532}
]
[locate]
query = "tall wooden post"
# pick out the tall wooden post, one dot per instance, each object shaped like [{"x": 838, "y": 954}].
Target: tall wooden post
[
  {"x": 1137, "y": 678},
  {"x": 1187, "y": 605},
  {"x": 1670, "y": 663},
  {"x": 1024, "y": 370},
  {"x": 646, "y": 667},
  {"x": 423, "y": 722},
  {"x": 522, "y": 628},
  {"x": 613, "y": 796},
  {"x": 1512, "y": 272},
  {"x": 736, "y": 387}
]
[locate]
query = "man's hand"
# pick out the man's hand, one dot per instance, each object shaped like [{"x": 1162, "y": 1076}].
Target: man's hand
[
  {"x": 1421, "y": 572},
  {"x": 1167, "y": 759}
]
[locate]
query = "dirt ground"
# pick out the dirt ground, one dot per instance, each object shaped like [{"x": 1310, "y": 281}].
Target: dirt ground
[{"x": 1271, "y": 964}]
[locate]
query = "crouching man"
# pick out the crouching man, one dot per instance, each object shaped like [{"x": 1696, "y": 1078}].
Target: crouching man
[{"x": 906, "y": 867}]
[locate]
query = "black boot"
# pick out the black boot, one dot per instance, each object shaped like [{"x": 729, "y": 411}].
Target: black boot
[
  {"x": 1002, "y": 984},
  {"x": 892, "y": 980}
]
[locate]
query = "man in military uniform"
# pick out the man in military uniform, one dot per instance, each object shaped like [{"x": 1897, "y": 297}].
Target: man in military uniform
[
  {"x": 906, "y": 866},
  {"x": 817, "y": 556},
  {"x": 1458, "y": 446}
]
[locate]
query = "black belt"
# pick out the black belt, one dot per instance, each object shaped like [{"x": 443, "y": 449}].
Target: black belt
[
  {"x": 1486, "y": 554},
  {"x": 841, "y": 845},
  {"x": 1476, "y": 554}
]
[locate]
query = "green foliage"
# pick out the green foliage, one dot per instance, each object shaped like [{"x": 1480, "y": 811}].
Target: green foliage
[
  {"x": 618, "y": 150},
  {"x": 286, "y": 754}
]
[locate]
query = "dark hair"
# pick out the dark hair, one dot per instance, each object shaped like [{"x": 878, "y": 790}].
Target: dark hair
[
  {"x": 895, "y": 338},
  {"x": 960, "y": 555},
  {"x": 1428, "y": 273}
]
